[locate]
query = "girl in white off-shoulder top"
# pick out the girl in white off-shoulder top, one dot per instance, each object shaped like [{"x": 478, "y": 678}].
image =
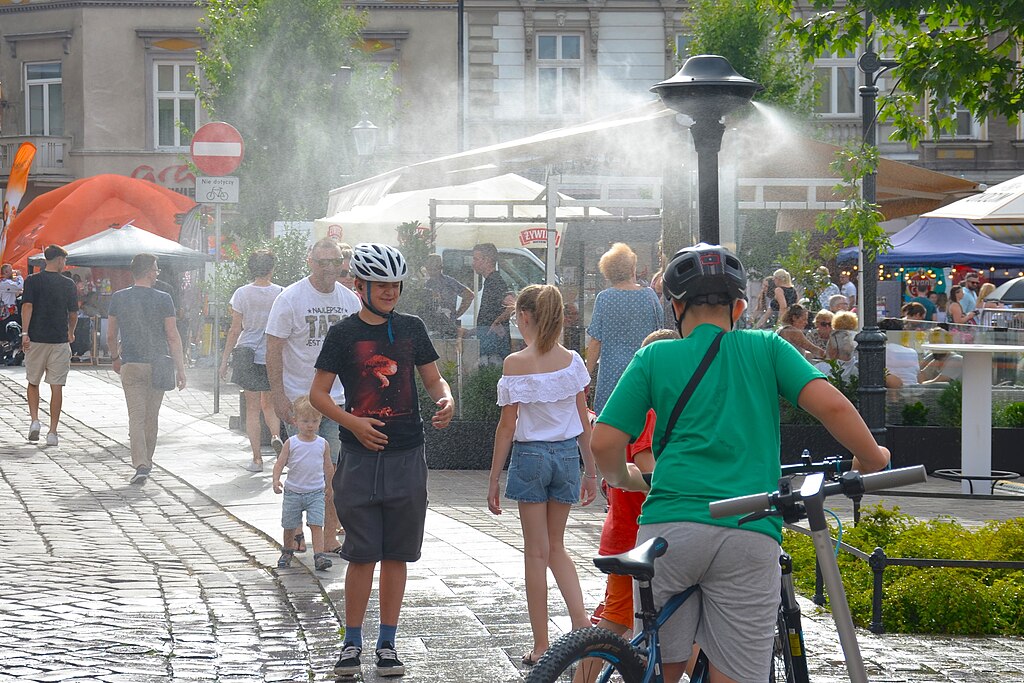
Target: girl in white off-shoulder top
[{"x": 544, "y": 423}]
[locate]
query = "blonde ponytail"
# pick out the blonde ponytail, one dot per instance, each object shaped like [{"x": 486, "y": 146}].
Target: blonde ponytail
[{"x": 544, "y": 304}]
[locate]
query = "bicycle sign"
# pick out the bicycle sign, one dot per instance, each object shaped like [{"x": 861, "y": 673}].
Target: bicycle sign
[{"x": 217, "y": 189}]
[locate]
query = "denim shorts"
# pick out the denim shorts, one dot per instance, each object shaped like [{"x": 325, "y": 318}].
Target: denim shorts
[
  {"x": 295, "y": 503},
  {"x": 544, "y": 470}
]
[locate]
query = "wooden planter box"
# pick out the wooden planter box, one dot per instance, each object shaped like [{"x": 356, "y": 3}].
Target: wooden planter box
[
  {"x": 468, "y": 445},
  {"x": 463, "y": 445}
]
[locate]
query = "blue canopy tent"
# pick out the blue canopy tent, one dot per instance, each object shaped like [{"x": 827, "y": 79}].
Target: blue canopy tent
[{"x": 940, "y": 242}]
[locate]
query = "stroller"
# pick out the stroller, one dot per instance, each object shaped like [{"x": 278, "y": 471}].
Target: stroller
[{"x": 10, "y": 342}]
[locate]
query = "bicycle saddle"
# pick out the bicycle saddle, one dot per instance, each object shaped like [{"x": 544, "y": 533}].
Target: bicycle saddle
[{"x": 638, "y": 562}]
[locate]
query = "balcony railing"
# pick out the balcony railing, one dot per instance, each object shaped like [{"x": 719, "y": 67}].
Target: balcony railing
[{"x": 50, "y": 153}]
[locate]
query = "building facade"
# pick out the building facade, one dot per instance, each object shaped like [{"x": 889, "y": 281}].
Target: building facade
[{"x": 100, "y": 87}]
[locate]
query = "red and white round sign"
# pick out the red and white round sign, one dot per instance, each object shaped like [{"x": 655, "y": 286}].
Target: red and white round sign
[{"x": 217, "y": 148}]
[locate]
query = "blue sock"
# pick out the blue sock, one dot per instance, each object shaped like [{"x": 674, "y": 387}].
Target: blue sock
[
  {"x": 387, "y": 635},
  {"x": 354, "y": 635}
]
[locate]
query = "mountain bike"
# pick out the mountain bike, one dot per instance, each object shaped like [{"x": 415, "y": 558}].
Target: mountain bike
[{"x": 639, "y": 660}]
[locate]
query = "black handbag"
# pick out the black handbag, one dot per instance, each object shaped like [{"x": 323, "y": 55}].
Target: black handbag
[
  {"x": 243, "y": 359},
  {"x": 163, "y": 373}
]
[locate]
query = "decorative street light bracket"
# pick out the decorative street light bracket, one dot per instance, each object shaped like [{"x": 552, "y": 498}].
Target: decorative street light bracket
[{"x": 707, "y": 88}]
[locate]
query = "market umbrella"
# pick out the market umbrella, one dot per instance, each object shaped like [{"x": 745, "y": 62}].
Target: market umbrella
[
  {"x": 91, "y": 205},
  {"x": 1011, "y": 290},
  {"x": 115, "y": 248}
]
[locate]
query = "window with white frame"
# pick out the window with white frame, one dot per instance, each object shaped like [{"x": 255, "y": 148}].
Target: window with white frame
[
  {"x": 174, "y": 103},
  {"x": 683, "y": 41},
  {"x": 559, "y": 73},
  {"x": 965, "y": 127},
  {"x": 44, "y": 113},
  {"x": 837, "y": 81}
]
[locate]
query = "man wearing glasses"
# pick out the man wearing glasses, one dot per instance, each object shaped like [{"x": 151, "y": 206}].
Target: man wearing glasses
[
  {"x": 971, "y": 284},
  {"x": 298, "y": 323}
]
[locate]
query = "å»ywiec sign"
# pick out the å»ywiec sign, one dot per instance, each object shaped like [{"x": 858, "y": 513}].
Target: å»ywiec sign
[{"x": 537, "y": 237}]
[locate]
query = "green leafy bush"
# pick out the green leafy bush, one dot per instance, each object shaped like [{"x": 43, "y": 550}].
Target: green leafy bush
[
  {"x": 950, "y": 404},
  {"x": 848, "y": 386},
  {"x": 1008, "y": 415},
  {"x": 928, "y": 600},
  {"x": 915, "y": 414},
  {"x": 480, "y": 394}
]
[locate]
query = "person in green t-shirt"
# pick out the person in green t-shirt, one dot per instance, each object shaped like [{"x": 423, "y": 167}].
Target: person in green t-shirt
[{"x": 725, "y": 443}]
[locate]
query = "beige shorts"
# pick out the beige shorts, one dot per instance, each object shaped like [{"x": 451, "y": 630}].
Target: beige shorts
[{"x": 54, "y": 359}]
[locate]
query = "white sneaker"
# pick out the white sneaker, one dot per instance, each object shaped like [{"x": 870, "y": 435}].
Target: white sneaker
[
  {"x": 33, "y": 430},
  {"x": 276, "y": 444},
  {"x": 254, "y": 467},
  {"x": 51, "y": 439}
]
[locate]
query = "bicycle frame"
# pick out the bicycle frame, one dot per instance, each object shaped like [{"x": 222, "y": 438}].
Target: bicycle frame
[
  {"x": 814, "y": 504},
  {"x": 653, "y": 620}
]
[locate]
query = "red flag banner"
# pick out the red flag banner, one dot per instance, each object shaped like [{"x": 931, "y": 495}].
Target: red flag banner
[{"x": 17, "y": 183}]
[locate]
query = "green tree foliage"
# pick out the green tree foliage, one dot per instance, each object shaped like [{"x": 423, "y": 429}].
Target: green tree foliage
[
  {"x": 271, "y": 69},
  {"x": 948, "y": 53},
  {"x": 859, "y": 221},
  {"x": 743, "y": 32},
  {"x": 290, "y": 249}
]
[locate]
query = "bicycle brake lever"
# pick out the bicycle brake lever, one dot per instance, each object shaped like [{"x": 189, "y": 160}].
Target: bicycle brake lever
[{"x": 754, "y": 516}]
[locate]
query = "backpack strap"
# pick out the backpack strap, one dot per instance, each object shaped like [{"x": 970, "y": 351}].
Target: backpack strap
[{"x": 691, "y": 386}]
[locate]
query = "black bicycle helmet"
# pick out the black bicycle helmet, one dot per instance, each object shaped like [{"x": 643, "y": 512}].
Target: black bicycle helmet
[{"x": 703, "y": 270}]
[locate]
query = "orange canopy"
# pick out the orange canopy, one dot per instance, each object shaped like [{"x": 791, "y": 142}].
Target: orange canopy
[{"x": 91, "y": 205}]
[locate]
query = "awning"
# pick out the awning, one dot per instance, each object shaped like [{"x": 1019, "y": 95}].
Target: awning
[{"x": 997, "y": 212}]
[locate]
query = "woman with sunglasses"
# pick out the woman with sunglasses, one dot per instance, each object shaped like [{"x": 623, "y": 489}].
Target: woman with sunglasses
[{"x": 822, "y": 328}]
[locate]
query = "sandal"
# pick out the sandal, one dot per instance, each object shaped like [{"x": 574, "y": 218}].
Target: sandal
[
  {"x": 300, "y": 543},
  {"x": 528, "y": 659},
  {"x": 321, "y": 562},
  {"x": 335, "y": 551},
  {"x": 285, "y": 560}
]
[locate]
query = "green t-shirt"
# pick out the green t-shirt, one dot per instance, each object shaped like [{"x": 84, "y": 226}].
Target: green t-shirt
[{"x": 726, "y": 442}]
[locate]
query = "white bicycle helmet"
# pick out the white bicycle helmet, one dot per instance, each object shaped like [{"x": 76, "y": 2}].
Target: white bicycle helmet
[{"x": 374, "y": 262}]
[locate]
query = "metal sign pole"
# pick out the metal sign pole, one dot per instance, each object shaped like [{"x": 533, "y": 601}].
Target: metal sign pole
[{"x": 216, "y": 310}]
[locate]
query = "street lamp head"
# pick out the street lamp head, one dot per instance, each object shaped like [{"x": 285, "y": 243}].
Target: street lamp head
[
  {"x": 706, "y": 86},
  {"x": 364, "y": 134}
]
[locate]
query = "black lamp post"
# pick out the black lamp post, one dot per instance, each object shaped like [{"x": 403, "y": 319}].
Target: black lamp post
[
  {"x": 871, "y": 340},
  {"x": 706, "y": 89}
]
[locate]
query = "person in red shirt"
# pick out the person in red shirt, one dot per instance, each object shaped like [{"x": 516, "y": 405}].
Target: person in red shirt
[{"x": 618, "y": 535}]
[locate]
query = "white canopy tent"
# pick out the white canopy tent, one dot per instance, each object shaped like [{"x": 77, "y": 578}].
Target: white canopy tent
[
  {"x": 997, "y": 212},
  {"x": 455, "y": 228}
]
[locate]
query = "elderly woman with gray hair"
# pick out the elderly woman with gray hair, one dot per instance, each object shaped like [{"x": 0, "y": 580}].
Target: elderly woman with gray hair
[{"x": 624, "y": 314}]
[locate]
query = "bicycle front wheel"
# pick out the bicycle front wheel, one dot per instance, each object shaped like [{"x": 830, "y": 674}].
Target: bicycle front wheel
[{"x": 589, "y": 655}]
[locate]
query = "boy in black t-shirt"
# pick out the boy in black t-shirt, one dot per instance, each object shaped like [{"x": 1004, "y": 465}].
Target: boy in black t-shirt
[{"x": 380, "y": 486}]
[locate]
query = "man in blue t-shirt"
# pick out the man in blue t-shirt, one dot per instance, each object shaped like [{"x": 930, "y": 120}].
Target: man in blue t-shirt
[
  {"x": 726, "y": 443},
  {"x": 142, "y": 319},
  {"x": 49, "y": 313}
]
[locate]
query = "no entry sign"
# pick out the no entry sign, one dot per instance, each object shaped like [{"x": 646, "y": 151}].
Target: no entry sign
[{"x": 217, "y": 148}]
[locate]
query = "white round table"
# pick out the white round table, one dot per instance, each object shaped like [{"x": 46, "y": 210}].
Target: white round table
[{"x": 976, "y": 411}]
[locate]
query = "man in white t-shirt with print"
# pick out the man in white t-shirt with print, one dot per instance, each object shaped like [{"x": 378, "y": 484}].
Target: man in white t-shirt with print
[{"x": 298, "y": 323}]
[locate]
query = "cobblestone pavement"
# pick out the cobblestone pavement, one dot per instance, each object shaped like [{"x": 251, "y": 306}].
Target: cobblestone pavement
[{"x": 175, "y": 581}]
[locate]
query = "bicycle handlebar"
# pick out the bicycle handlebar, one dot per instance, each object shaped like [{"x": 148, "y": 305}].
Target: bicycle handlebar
[
  {"x": 760, "y": 502},
  {"x": 828, "y": 466}
]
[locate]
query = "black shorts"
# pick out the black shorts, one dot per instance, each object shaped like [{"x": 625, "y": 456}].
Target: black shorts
[{"x": 381, "y": 499}]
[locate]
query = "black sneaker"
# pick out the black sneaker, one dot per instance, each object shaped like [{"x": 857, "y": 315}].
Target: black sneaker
[
  {"x": 388, "y": 663},
  {"x": 141, "y": 475},
  {"x": 348, "y": 663}
]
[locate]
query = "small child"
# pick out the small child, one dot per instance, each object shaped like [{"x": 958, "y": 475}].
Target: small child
[
  {"x": 618, "y": 534},
  {"x": 308, "y": 458}
]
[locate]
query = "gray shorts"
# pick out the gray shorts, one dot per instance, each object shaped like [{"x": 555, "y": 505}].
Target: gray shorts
[
  {"x": 732, "y": 616},
  {"x": 382, "y": 503},
  {"x": 295, "y": 503}
]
